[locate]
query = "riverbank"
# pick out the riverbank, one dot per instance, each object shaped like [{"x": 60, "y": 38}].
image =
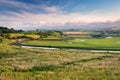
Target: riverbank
[
  {"x": 84, "y": 44},
  {"x": 85, "y": 50}
]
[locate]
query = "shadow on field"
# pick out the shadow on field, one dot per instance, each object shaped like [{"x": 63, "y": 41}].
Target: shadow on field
[
  {"x": 86, "y": 60},
  {"x": 58, "y": 67}
]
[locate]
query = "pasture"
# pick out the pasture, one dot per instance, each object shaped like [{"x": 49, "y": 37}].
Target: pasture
[
  {"x": 18, "y": 63},
  {"x": 80, "y": 43}
]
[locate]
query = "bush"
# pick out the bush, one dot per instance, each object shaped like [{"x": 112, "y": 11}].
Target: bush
[{"x": 0, "y": 40}]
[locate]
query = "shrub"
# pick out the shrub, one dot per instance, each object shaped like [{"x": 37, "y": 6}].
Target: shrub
[{"x": 0, "y": 40}]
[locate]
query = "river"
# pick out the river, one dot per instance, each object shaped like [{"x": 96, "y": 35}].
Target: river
[{"x": 101, "y": 51}]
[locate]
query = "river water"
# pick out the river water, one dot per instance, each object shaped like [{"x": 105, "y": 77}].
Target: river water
[{"x": 101, "y": 51}]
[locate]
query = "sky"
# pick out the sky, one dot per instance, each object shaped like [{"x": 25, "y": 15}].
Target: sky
[{"x": 31, "y": 14}]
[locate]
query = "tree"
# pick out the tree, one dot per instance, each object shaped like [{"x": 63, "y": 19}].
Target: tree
[
  {"x": 0, "y": 40},
  {"x": 97, "y": 35},
  {"x": 43, "y": 34},
  {"x": 6, "y": 30},
  {"x": 60, "y": 33}
]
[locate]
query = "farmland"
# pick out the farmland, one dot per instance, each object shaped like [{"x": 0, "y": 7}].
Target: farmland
[
  {"x": 18, "y": 63},
  {"x": 91, "y": 43},
  {"x": 59, "y": 39}
]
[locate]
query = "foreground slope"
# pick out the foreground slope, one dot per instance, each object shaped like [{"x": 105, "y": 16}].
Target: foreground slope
[{"x": 35, "y": 64}]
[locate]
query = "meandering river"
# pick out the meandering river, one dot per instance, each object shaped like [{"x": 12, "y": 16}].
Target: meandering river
[{"x": 101, "y": 51}]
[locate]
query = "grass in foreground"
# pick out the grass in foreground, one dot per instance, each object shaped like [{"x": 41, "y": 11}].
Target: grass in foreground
[{"x": 34, "y": 64}]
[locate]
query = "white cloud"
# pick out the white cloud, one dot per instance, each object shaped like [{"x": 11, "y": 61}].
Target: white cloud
[
  {"x": 26, "y": 19},
  {"x": 52, "y": 9},
  {"x": 54, "y": 17}
]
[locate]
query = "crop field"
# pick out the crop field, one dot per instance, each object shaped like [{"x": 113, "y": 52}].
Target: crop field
[
  {"x": 18, "y": 63},
  {"x": 91, "y": 43},
  {"x": 15, "y": 35}
]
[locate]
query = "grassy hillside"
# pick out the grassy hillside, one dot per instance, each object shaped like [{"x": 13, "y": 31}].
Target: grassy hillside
[{"x": 18, "y": 63}]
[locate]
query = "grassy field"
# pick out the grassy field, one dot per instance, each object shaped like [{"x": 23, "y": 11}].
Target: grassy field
[
  {"x": 103, "y": 43},
  {"x": 18, "y": 63},
  {"x": 15, "y": 35}
]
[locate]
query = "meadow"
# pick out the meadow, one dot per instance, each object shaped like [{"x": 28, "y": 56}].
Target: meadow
[
  {"x": 80, "y": 43},
  {"x": 18, "y": 63}
]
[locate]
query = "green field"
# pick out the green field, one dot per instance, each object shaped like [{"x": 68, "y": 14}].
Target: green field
[
  {"x": 101, "y": 43},
  {"x": 18, "y": 63}
]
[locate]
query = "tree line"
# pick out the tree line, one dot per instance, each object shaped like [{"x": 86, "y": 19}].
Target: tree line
[
  {"x": 45, "y": 34},
  {"x": 5, "y": 33},
  {"x": 6, "y": 30}
]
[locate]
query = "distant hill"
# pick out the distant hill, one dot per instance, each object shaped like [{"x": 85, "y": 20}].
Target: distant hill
[
  {"x": 91, "y": 26},
  {"x": 114, "y": 28},
  {"x": 115, "y": 25}
]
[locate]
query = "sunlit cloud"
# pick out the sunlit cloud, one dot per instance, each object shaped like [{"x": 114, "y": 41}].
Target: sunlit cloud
[
  {"x": 51, "y": 16},
  {"x": 52, "y": 19}
]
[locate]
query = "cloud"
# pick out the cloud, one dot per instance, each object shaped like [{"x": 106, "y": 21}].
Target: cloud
[
  {"x": 50, "y": 16},
  {"x": 19, "y": 7},
  {"x": 16, "y": 6},
  {"x": 52, "y": 9},
  {"x": 8, "y": 3},
  {"x": 26, "y": 19}
]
